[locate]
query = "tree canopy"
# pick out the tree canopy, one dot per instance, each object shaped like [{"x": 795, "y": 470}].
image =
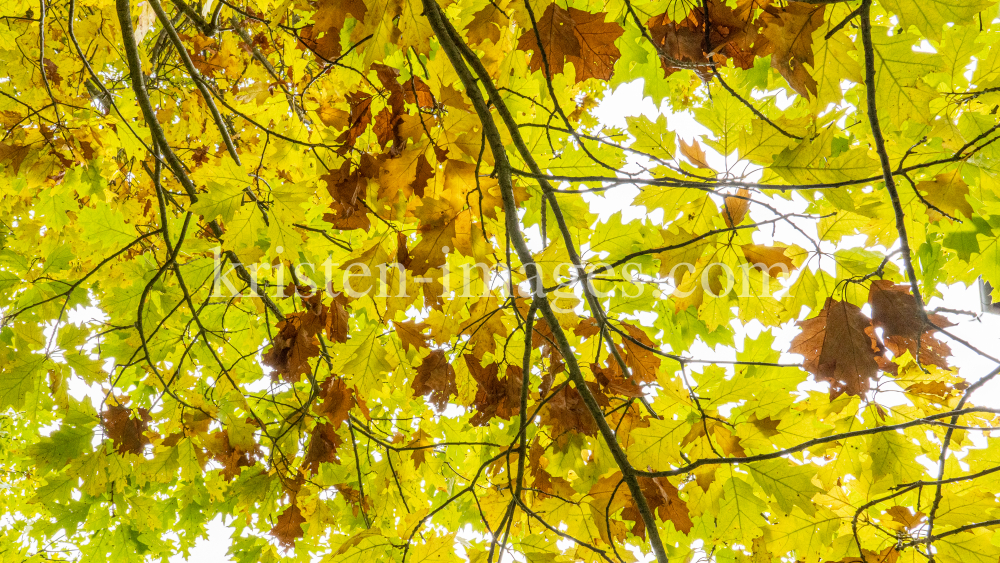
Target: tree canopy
[{"x": 339, "y": 273}]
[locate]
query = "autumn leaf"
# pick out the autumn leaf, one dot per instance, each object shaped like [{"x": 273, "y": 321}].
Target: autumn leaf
[
  {"x": 231, "y": 456},
  {"x": 736, "y": 207},
  {"x": 681, "y": 37},
  {"x": 495, "y": 396},
  {"x": 839, "y": 347},
  {"x": 294, "y": 344},
  {"x": 695, "y": 154},
  {"x": 337, "y": 401},
  {"x": 787, "y": 37},
  {"x": 947, "y": 193},
  {"x": 573, "y": 36},
  {"x": 323, "y": 445},
  {"x": 323, "y": 36},
  {"x": 764, "y": 257},
  {"x": 487, "y": 23},
  {"x": 896, "y": 312},
  {"x": 348, "y": 186},
  {"x": 436, "y": 378},
  {"x": 127, "y": 433},
  {"x": 296, "y": 340},
  {"x": 288, "y": 527},
  {"x": 566, "y": 412},
  {"x": 359, "y": 120}
]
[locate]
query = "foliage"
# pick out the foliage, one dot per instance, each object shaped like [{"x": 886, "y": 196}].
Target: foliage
[{"x": 518, "y": 411}]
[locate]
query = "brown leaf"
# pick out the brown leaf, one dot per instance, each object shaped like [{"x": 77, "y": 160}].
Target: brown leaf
[
  {"x": 573, "y": 36},
  {"x": 643, "y": 362},
  {"x": 787, "y": 37},
  {"x": 336, "y": 319},
  {"x": 437, "y": 230},
  {"x": 416, "y": 91},
  {"x": 543, "y": 480},
  {"x": 543, "y": 339},
  {"x": 323, "y": 443},
  {"x": 388, "y": 120},
  {"x": 896, "y": 312},
  {"x": 731, "y": 35},
  {"x": 359, "y": 120},
  {"x": 126, "y": 433},
  {"x": 420, "y": 440},
  {"x": 694, "y": 153},
  {"x": 905, "y": 517},
  {"x": 736, "y": 207},
  {"x": 566, "y": 412},
  {"x": 348, "y": 189},
  {"x": 495, "y": 397},
  {"x": 296, "y": 340},
  {"x": 289, "y": 526},
  {"x": 323, "y": 36},
  {"x": 663, "y": 499},
  {"x": 411, "y": 334},
  {"x": 291, "y": 349},
  {"x": 677, "y": 41},
  {"x": 232, "y": 457},
  {"x": 613, "y": 383},
  {"x": 435, "y": 377},
  {"x": 839, "y": 347},
  {"x": 660, "y": 494},
  {"x": 337, "y": 401},
  {"x": 424, "y": 173}
]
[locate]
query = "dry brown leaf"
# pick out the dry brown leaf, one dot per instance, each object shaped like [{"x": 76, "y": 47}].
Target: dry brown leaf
[
  {"x": 573, "y": 36},
  {"x": 126, "y": 433},
  {"x": 788, "y": 39},
  {"x": 495, "y": 397},
  {"x": 896, "y": 312},
  {"x": 839, "y": 347},
  {"x": 288, "y": 528},
  {"x": 435, "y": 377}
]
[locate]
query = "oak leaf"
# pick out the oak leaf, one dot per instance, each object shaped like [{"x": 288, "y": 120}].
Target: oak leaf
[
  {"x": 495, "y": 397},
  {"x": 839, "y": 347},
  {"x": 337, "y": 401},
  {"x": 566, "y": 412},
  {"x": 683, "y": 39},
  {"x": 323, "y": 36},
  {"x": 411, "y": 334},
  {"x": 573, "y": 36},
  {"x": 787, "y": 37},
  {"x": 543, "y": 480},
  {"x": 126, "y": 433},
  {"x": 435, "y": 377},
  {"x": 323, "y": 443},
  {"x": 694, "y": 153},
  {"x": 288, "y": 528},
  {"x": 291, "y": 348},
  {"x": 736, "y": 207},
  {"x": 487, "y": 24},
  {"x": 947, "y": 192},
  {"x": 896, "y": 312},
  {"x": 348, "y": 186},
  {"x": 764, "y": 257},
  {"x": 358, "y": 121}
]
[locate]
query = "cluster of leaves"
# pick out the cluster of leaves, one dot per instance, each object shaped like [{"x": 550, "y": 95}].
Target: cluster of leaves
[{"x": 443, "y": 415}]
